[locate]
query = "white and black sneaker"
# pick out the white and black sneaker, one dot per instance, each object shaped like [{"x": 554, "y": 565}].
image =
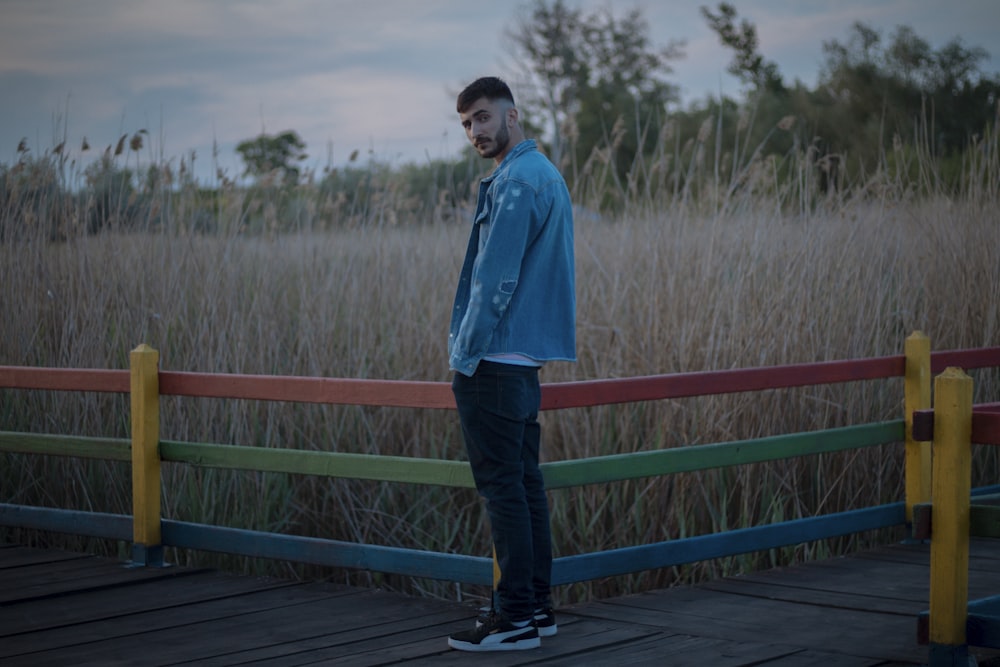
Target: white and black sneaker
[
  {"x": 545, "y": 622},
  {"x": 494, "y": 632}
]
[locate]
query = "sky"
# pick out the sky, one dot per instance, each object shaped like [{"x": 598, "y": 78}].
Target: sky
[{"x": 376, "y": 76}]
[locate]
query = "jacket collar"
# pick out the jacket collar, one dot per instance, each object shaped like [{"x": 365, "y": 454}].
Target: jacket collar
[{"x": 523, "y": 147}]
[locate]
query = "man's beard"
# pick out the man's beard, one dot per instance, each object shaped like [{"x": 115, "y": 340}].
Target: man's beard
[{"x": 500, "y": 142}]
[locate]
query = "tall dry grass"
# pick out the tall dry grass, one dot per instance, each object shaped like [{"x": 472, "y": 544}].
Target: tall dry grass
[{"x": 738, "y": 276}]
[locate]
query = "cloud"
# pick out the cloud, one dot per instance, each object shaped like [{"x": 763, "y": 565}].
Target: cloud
[{"x": 379, "y": 74}]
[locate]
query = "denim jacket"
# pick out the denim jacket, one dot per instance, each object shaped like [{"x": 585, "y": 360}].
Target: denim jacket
[{"x": 516, "y": 292}]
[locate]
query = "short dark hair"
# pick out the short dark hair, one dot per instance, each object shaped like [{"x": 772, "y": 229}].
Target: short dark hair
[{"x": 490, "y": 87}]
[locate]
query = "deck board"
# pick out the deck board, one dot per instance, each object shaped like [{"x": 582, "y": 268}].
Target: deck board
[{"x": 859, "y": 611}]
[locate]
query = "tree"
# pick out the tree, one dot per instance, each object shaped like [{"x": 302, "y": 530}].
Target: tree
[
  {"x": 267, "y": 154},
  {"x": 748, "y": 65},
  {"x": 908, "y": 89},
  {"x": 549, "y": 48},
  {"x": 586, "y": 72},
  {"x": 908, "y": 56}
]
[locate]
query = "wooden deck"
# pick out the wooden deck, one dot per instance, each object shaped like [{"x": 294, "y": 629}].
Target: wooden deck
[{"x": 70, "y": 609}]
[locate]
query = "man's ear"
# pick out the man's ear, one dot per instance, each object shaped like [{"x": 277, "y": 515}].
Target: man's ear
[{"x": 512, "y": 117}]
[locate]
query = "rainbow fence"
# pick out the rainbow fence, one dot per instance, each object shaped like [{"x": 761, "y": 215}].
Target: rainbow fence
[{"x": 149, "y": 532}]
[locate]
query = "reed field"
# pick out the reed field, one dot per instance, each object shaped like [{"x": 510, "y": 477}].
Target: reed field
[{"x": 727, "y": 272}]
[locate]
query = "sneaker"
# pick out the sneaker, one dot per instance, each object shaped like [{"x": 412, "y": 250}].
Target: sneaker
[
  {"x": 495, "y": 633},
  {"x": 545, "y": 622}
]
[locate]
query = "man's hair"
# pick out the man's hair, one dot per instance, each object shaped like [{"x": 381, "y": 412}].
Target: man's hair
[{"x": 489, "y": 87}]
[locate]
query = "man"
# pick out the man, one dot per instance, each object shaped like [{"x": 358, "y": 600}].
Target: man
[{"x": 515, "y": 308}]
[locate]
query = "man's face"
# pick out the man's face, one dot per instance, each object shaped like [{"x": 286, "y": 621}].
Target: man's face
[{"x": 485, "y": 124}]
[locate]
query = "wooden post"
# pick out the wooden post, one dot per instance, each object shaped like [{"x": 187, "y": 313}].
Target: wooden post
[
  {"x": 147, "y": 548},
  {"x": 950, "y": 515},
  {"x": 917, "y": 396}
]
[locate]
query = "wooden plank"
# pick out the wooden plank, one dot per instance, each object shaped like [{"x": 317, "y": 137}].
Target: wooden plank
[
  {"x": 13, "y": 556},
  {"x": 908, "y": 551},
  {"x": 894, "y": 594},
  {"x": 905, "y": 581},
  {"x": 408, "y": 637},
  {"x": 112, "y": 449},
  {"x": 974, "y": 358},
  {"x": 617, "y": 467},
  {"x": 625, "y": 560},
  {"x": 580, "y": 639},
  {"x": 952, "y": 464},
  {"x": 329, "y": 464},
  {"x": 810, "y": 614},
  {"x": 75, "y": 607},
  {"x": 74, "y": 576},
  {"x": 983, "y": 554},
  {"x": 700, "y": 612},
  {"x": 185, "y": 630},
  {"x": 64, "y": 379},
  {"x": 916, "y": 396},
  {"x": 146, "y": 479},
  {"x": 680, "y": 651},
  {"x": 394, "y": 393},
  {"x": 702, "y": 383},
  {"x": 333, "y": 553},
  {"x": 414, "y": 635},
  {"x": 559, "y": 474},
  {"x": 221, "y": 627},
  {"x": 75, "y": 522},
  {"x": 45, "y": 574},
  {"x": 882, "y": 578},
  {"x": 985, "y": 425},
  {"x": 819, "y": 596},
  {"x": 812, "y": 658}
]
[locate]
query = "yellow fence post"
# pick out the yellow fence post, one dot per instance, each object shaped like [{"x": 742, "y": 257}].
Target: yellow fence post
[
  {"x": 147, "y": 548},
  {"x": 950, "y": 514},
  {"x": 917, "y": 396}
]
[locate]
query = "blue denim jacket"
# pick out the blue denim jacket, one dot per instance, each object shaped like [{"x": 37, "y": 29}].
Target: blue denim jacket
[{"x": 516, "y": 292}]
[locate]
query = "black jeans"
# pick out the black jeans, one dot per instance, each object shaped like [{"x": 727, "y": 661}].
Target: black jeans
[{"x": 498, "y": 408}]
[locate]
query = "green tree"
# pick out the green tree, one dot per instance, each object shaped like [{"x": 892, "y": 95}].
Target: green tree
[
  {"x": 892, "y": 102},
  {"x": 273, "y": 154},
  {"x": 596, "y": 79},
  {"x": 877, "y": 91}
]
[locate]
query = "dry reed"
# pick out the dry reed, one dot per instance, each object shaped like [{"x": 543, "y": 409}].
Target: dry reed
[{"x": 751, "y": 278}]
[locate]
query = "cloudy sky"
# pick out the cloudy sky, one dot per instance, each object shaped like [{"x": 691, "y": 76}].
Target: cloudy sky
[{"x": 377, "y": 76}]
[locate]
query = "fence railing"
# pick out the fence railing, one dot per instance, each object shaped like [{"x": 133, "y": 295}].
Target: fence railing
[{"x": 149, "y": 532}]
